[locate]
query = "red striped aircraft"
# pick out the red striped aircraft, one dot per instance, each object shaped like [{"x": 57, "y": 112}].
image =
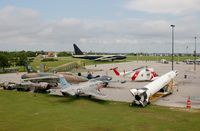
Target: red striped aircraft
[{"x": 139, "y": 74}]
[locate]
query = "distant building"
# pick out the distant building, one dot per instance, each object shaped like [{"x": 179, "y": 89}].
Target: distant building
[{"x": 49, "y": 54}]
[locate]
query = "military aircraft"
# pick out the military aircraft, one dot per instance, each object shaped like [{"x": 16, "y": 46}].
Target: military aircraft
[
  {"x": 34, "y": 76},
  {"x": 70, "y": 77},
  {"x": 8, "y": 85},
  {"x": 44, "y": 77},
  {"x": 139, "y": 74},
  {"x": 80, "y": 54},
  {"x": 90, "y": 88},
  {"x": 27, "y": 86}
]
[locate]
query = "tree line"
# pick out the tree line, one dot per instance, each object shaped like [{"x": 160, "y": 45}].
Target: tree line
[
  {"x": 18, "y": 58},
  {"x": 9, "y": 59}
]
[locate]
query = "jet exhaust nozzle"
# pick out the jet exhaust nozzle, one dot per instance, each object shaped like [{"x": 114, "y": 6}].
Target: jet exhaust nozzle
[{"x": 140, "y": 96}]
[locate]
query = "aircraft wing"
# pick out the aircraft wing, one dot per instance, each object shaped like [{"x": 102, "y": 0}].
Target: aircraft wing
[
  {"x": 95, "y": 93},
  {"x": 70, "y": 91},
  {"x": 106, "y": 58},
  {"x": 48, "y": 79}
]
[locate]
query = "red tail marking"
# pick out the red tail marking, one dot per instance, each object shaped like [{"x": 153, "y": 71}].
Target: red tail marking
[
  {"x": 116, "y": 71},
  {"x": 151, "y": 77},
  {"x": 135, "y": 75},
  {"x": 154, "y": 74}
]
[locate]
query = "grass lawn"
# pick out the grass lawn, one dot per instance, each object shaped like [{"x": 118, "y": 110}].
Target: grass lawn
[{"x": 31, "y": 112}]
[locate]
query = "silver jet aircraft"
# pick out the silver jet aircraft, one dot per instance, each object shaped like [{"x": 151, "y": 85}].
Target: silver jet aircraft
[{"x": 90, "y": 88}]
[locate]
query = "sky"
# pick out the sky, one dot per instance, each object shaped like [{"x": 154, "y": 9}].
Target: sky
[{"x": 121, "y": 26}]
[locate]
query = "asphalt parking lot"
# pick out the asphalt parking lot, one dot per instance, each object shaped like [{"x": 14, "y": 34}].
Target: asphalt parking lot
[
  {"x": 116, "y": 91},
  {"x": 183, "y": 87}
]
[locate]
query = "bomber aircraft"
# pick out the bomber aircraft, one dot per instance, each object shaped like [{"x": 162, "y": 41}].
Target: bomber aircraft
[{"x": 80, "y": 54}]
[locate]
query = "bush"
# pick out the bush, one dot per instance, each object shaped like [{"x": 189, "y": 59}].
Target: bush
[{"x": 63, "y": 54}]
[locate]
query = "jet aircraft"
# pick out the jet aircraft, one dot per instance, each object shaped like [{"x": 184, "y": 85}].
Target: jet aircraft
[
  {"x": 51, "y": 78},
  {"x": 90, "y": 88},
  {"x": 80, "y": 54},
  {"x": 28, "y": 86}
]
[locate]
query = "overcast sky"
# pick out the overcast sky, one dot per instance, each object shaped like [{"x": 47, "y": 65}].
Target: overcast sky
[{"x": 99, "y": 25}]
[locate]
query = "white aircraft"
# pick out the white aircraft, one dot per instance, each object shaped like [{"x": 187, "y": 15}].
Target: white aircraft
[
  {"x": 143, "y": 95},
  {"x": 139, "y": 74},
  {"x": 90, "y": 88}
]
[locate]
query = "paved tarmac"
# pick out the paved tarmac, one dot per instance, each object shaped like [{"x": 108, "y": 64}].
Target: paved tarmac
[
  {"x": 183, "y": 88},
  {"x": 117, "y": 91}
]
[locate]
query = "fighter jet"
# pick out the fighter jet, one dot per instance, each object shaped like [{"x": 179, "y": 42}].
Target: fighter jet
[
  {"x": 80, "y": 54},
  {"x": 43, "y": 77},
  {"x": 90, "y": 88},
  {"x": 27, "y": 86},
  {"x": 70, "y": 77},
  {"x": 138, "y": 74},
  {"x": 33, "y": 76}
]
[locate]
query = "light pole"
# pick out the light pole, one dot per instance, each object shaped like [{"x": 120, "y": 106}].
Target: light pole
[
  {"x": 172, "y": 46},
  {"x": 186, "y": 50},
  {"x": 195, "y": 50}
]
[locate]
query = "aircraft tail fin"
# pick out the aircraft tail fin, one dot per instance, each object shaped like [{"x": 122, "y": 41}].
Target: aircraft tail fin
[
  {"x": 77, "y": 50},
  {"x": 64, "y": 84},
  {"x": 29, "y": 69},
  {"x": 116, "y": 71}
]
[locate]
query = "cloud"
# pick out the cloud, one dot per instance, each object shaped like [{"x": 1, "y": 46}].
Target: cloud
[
  {"x": 176, "y": 7},
  {"x": 24, "y": 29}
]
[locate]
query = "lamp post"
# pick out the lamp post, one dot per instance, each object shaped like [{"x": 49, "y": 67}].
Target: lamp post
[
  {"x": 172, "y": 46},
  {"x": 186, "y": 50},
  {"x": 195, "y": 50}
]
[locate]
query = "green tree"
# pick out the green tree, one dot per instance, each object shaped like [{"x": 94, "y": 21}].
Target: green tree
[
  {"x": 63, "y": 54},
  {"x": 4, "y": 61},
  {"x": 31, "y": 54},
  {"x": 21, "y": 58}
]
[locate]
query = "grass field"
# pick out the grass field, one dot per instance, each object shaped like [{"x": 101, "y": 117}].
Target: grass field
[{"x": 27, "y": 111}]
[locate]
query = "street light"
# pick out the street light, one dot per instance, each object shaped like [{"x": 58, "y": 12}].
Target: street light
[
  {"x": 195, "y": 50},
  {"x": 172, "y": 46},
  {"x": 186, "y": 50}
]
